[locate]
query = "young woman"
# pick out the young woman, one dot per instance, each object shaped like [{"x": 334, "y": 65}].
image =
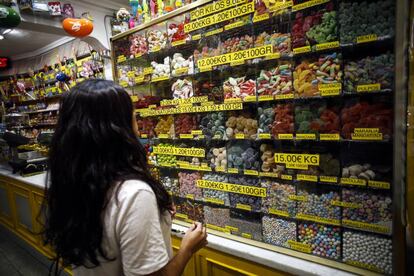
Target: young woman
[{"x": 106, "y": 214}]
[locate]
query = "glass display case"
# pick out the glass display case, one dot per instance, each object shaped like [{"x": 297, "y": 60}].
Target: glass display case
[{"x": 275, "y": 122}]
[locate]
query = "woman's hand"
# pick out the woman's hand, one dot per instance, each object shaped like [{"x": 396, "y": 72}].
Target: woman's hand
[
  {"x": 195, "y": 238},
  {"x": 173, "y": 211}
]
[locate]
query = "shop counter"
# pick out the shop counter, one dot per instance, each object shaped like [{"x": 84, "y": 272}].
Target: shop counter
[{"x": 20, "y": 202}]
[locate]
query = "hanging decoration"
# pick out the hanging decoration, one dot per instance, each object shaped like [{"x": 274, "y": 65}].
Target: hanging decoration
[
  {"x": 77, "y": 27},
  {"x": 9, "y": 18},
  {"x": 134, "y": 5}
]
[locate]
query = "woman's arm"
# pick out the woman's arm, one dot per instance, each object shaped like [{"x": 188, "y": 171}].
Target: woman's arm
[{"x": 194, "y": 239}]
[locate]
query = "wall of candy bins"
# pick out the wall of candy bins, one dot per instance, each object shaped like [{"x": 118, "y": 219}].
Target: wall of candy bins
[{"x": 274, "y": 124}]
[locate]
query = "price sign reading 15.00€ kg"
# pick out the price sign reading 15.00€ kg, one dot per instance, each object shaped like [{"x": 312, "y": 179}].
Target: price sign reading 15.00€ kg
[{"x": 297, "y": 161}]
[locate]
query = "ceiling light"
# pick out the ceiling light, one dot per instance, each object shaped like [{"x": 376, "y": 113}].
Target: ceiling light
[
  {"x": 1, "y": 37},
  {"x": 7, "y": 31}
]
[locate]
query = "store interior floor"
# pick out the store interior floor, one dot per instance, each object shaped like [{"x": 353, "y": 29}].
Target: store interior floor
[{"x": 18, "y": 258}]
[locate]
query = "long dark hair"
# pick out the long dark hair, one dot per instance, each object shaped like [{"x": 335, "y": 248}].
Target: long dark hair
[{"x": 94, "y": 148}]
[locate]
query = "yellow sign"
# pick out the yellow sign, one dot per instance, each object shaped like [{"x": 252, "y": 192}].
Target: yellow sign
[
  {"x": 366, "y": 226},
  {"x": 232, "y": 170},
  {"x": 191, "y": 100},
  {"x": 144, "y": 136},
  {"x": 214, "y": 200},
  {"x": 134, "y": 98},
  {"x": 306, "y": 177},
  {"x": 182, "y": 216},
  {"x": 258, "y": 18},
  {"x": 206, "y": 69},
  {"x": 353, "y": 181},
  {"x": 301, "y": 50},
  {"x": 214, "y": 7},
  {"x": 297, "y": 161},
  {"x": 286, "y": 177},
  {"x": 284, "y": 96},
  {"x": 285, "y": 136},
  {"x": 243, "y": 207},
  {"x": 234, "y": 25},
  {"x": 298, "y": 198},
  {"x": 330, "y": 89},
  {"x": 328, "y": 45},
  {"x": 272, "y": 56},
  {"x": 379, "y": 184},
  {"x": 138, "y": 55},
  {"x": 177, "y": 43},
  {"x": 181, "y": 71},
  {"x": 308, "y": 4},
  {"x": 329, "y": 137},
  {"x": 247, "y": 236},
  {"x": 239, "y": 136},
  {"x": 328, "y": 179},
  {"x": 148, "y": 70},
  {"x": 313, "y": 218},
  {"x": 162, "y": 78},
  {"x": 191, "y": 109},
  {"x": 155, "y": 49},
  {"x": 189, "y": 196},
  {"x": 226, "y": 15},
  {"x": 139, "y": 80},
  {"x": 218, "y": 228},
  {"x": 131, "y": 74},
  {"x": 264, "y": 98},
  {"x": 268, "y": 174},
  {"x": 231, "y": 228},
  {"x": 366, "y": 38},
  {"x": 168, "y": 150},
  {"x": 232, "y": 188},
  {"x": 220, "y": 169},
  {"x": 197, "y": 132},
  {"x": 346, "y": 204},
  {"x": 251, "y": 172},
  {"x": 196, "y": 37},
  {"x": 278, "y": 212},
  {"x": 123, "y": 84},
  {"x": 265, "y": 136},
  {"x": 306, "y": 136},
  {"x": 213, "y": 32},
  {"x": 368, "y": 87},
  {"x": 186, "y": 136},
  {"x": 307, "y": 248},
  {"x": 236, "y": 56},
  {"x": 366, "y": 134},
  {"x": 120, "y": 58}
]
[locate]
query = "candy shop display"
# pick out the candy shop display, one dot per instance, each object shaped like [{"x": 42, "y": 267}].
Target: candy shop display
[
  {"x": 277, "y": 200},
  {"x": 182, "y": 89},
  {"x": 241, "y": 124},
  {"x": 242, "y": 155},
  {"x": 185, "y": 123},
  {"x": 310, "y": 74},
  {"x": 280, "y": 41},
  {"x": 218, "y": 158},
  {"x": 361, "y": 114},
  {"x": 188, "y": 184},
  {"x": 317, "y": 117},
  {"x": 157, "y": 40},
  {"x": 182, "y": 66},
  {"x": 324, "y": 240},
  {"x": 315, "y": 27},
  {"x": 319, "y": 204},
  {"x": 213, "y": 125},
  {"x": 371, "y": 208},
  {"x": 276, "y": 126},
  {"x": 368, "y": 250},
  {"x": 377, "y": 70},
  {"x": 359, "y": 18},
  {"x": 246, "y": 224},
  {"x": 217, "y": 216},
  {"x": 275, "y": 81},
  {"x": 245, "y": 201},
  {"x": 239, "y": 88},
  {"x": 216, "y": 196},
  {"x": 138, "y": 45},
  {"x": 165, "y": 125},
  {"x": 161, "y": 69},
  {"x": 283, "y": 122},
  {"x": 278, "y": 231}
]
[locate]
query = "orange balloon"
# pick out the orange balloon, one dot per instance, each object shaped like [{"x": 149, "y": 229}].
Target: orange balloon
[{"x": 77, "y": 27}]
